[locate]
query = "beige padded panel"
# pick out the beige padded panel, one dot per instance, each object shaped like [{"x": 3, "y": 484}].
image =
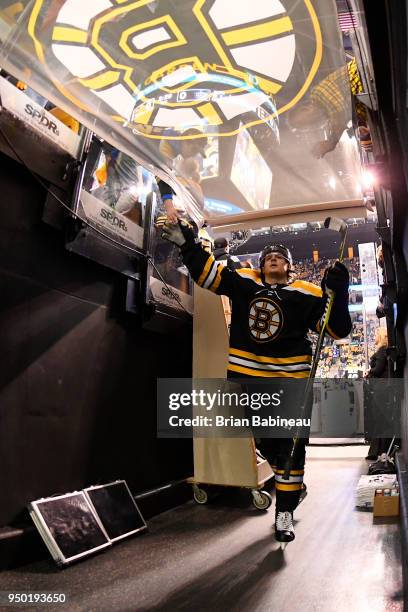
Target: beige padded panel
[
  {"x": 219, "y": 461},
  {"x": 210, "y": 336}
]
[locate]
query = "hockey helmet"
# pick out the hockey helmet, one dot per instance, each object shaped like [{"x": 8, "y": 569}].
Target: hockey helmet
[{"x": 276, "y": 248}]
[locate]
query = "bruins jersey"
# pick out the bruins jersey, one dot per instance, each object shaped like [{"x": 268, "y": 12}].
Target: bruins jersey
[{"x": 270, "y": 323}]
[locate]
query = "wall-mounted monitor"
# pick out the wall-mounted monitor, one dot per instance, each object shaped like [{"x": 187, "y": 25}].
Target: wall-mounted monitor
[
  {"x": 114, "y": 193},
  {"x": 167, "y": 287},
  {"x": 110, "y": 198},
  {"x": 37, "y": 133}
]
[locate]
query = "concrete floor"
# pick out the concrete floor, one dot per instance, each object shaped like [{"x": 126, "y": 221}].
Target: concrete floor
[{"x": 223, "y": 557}]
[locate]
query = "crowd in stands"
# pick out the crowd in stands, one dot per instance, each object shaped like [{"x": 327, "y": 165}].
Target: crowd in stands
[
  {"x": 312, "y": 272},
  {"x": 350, "y": 358},
  {"x": 346, "y": 359},
  {"x": 343, "y": 361}
]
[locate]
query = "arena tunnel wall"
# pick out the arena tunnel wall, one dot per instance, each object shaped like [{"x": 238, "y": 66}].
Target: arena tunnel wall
[
  {"x": 78, "y": 374},
  {"x": 386, "y": 21}
]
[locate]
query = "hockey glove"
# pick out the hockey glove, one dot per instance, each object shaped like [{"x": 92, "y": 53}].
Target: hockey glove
[
  {"x": 336, "y": 279},
  {"x": 160, "y": 221},
  {"x": 180, "y": 233}
]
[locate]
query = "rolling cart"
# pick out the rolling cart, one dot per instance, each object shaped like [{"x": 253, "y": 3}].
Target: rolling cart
[
  {"x": 256, "y": 475},
  {"x": 230, "y": 461}
]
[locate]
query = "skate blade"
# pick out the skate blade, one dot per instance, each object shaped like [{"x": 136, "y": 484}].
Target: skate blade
[{"x": 283, "y": 545}]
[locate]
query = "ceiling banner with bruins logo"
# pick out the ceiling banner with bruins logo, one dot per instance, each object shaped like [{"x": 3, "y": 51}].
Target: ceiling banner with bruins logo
[{"x": 241, "y": 106}]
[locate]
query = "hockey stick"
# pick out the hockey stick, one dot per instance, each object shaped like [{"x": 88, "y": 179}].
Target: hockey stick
[{"x": 340, "y": 226}]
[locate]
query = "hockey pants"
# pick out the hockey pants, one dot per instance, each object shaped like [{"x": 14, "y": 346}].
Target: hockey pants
[{"x": 276, "y": 449}]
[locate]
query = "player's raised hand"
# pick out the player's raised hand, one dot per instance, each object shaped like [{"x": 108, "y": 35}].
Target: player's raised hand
[
  {"x": 178, "y": 233},
  {"x": 336, "y": 278}
]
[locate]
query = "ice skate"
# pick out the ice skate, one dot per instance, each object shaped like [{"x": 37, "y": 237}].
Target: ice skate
[{"x": 284, "y": 531}]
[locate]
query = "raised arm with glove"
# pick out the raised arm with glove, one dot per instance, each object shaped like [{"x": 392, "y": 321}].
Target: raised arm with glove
[
  {"x": 180, "y": 233},
  {"x": 336, "y": 280}
]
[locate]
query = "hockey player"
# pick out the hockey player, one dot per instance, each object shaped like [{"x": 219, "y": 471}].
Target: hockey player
[
  {"x": 271, "y": 317},
  {"x": 222, "y": 254},
  {"x": 328, "y": 106}
]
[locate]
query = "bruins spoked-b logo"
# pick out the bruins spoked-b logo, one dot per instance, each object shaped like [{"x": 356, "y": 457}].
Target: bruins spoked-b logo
[
  {"x": 155, "y": 66},
  {"x": 265, "y": 320}
]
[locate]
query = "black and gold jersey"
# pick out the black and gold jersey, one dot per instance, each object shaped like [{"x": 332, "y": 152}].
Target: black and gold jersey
[
  {"x": 270, "y": 323},
  {"x": 334, "y": 92}
]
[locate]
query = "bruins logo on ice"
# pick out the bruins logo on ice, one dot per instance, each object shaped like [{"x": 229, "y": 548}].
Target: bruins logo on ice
[
  {"x": 265, "y": 320},
  {"x": 162, "y": 66}
]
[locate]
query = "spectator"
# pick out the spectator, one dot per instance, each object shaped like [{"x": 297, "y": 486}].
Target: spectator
[{"x": 328, "y": 107}]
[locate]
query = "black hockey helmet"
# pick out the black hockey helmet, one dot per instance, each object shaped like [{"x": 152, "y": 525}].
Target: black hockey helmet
[
  {"x": 220, "y": 243},
  {"x": 275, "y": 248}
]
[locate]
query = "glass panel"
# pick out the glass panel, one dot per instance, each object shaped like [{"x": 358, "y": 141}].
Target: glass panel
[
  {"x": 25, "y": 109},
  {"x": 240, "y": 110},
  {"x": 113, "y": 196}
]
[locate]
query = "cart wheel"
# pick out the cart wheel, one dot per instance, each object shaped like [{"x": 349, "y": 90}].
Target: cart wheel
[
  {"x": 261, "y": 499},
  {"x": 200, "y": 495}
]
